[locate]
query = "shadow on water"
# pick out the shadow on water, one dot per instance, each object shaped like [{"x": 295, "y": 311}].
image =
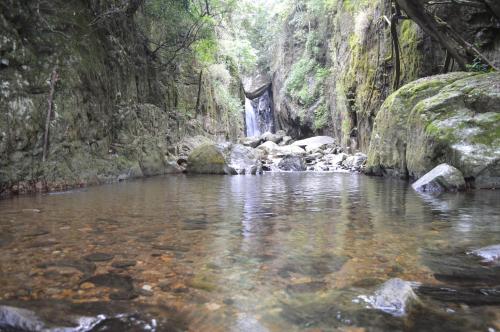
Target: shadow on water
[{"x": 279, "y": 252}]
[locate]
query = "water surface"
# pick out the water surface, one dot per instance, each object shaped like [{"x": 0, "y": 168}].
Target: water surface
[{"x": 279, "y": 252}]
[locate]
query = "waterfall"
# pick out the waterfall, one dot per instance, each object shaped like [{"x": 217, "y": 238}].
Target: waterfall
[
  {"x": 251, "y": 119},
  {"x": 259, "y": 115}
]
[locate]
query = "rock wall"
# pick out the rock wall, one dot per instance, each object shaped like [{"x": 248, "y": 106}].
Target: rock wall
[
  {"x": 334, "y": 65},
  {"x": 452, "y": 118},
  {"x": 116, "y": 112}
]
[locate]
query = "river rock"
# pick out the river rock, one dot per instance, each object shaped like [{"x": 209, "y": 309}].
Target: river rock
[
  {"x": 267, "y": 136},
  {"x": 286, "y": 140},
  {"x": 208, "y": 159},
  {"x": 292, "y": 163},
  {"x": 269, "y": 147},
  {"x": 99, "y": 257},
  {"x": 243, "y": 159},
  {"x": 335, "y": 159},
  {"x": 252, "y": 142},
  {"x": 290, "y": 150},
  {"x": 393, "y": 297},
  {"x": 355, "y": 162},
  {"x": 489, "y": 254},
  {"x": 188, "y": 144},
  {"x": 442, "y": 178},
  {"x": 315, "y": 141}
]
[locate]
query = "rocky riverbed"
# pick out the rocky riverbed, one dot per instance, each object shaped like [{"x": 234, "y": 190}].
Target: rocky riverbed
[{"x": 273, "y": 153}]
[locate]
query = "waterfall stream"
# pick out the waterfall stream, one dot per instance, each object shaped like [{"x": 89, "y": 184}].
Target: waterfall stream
[
  {"x": 252, "y": 127},
  {"x": 259, "y": 116}
]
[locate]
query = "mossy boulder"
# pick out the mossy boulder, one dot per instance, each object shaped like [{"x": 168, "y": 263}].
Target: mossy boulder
[
  {"x": 452, "y": 118},
  {"x": 207, "y": 159}
]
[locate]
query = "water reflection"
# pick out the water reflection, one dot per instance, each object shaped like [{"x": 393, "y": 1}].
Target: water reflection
[{"x": 284, "y": 251}]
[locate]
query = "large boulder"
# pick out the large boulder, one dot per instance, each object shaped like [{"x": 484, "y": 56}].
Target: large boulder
[
  {"x": 292, "y": 163},
  {"x": 224, "y": 158},
  {"x": 441, "y": 178},
  {"x": 184, "y": 148},
  {"x": 254, "y": 86},
  {"x": 450, "y": 118},
  {"x": 243, "y": 159},
  {"x": 207, "y": 159}
]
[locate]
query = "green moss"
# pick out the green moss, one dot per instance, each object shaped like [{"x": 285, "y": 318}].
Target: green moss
[{"x": 321, "y": 117}]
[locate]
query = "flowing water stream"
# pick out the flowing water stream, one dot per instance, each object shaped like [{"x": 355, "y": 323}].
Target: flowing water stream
[{"x": 278, "y": 252}]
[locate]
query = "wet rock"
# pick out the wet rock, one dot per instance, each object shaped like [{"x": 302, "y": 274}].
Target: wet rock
[
  {"x": 189, "y": 143},
  {"x": 111, "y": 280},
  {"x": 315, "y": 141},
  {"x": 290, "y": 150},
  {"x": 270, "y": 137},
  {"x": 452, "y": 118},
  {"x": 292, "y": 163},
  {"x": 355, "y": 162},
  {"x": 5, "y": 239},
  {"x": 393, "y": 297},
  {"x": 17, "y": 320},
  {"x": 195, "y": 225},
  {"x": 461, "y": 269},
  {"x": 170, "y": 247},
  {"x": 207, "y": 159},
  {"x": 470, "y": 296},
  {"x": 242, "y": 159},
  {"x": 489, "y": 254},
  {"x": 99, "y": 257},
  {"x": 442, "y": 178},
  {"x": 87, "y": 285},
  {"x": 286, "y": 140},
  {"x": 123, "y": 295},
  {"x": 252, "y": 142},
  {"x": 37, "y": 232},
  {"x": 336, "y": 159},
  {"x": 268, "y": 147},
  {"x": 307, "y": 287},
  {"x": 85, "y": 267},
  {"x": 124, "y": 264},
  {"x": 316, "y": 267},
  {"x": 43, "y": 243}
]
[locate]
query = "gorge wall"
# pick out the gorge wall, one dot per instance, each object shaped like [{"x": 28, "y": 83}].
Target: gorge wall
[
  {"x": 117, "y": 112},
  {"x": 333, "y": 64}
]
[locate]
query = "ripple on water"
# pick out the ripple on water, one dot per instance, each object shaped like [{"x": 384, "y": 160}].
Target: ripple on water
[{"x": 280, "y": 252}]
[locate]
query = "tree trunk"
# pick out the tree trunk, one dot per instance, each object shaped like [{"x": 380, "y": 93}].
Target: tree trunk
[
  {"x": 418, "y": 14},
  {"x": 53, "y": 80},
  {"x": 494, "y": 5},
  {"x": 197, "y": 110}
]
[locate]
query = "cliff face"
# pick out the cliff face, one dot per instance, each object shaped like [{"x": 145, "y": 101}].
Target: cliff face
[
  {"x": 116, "y": 112},
  {"x": 334, "y": 65}
]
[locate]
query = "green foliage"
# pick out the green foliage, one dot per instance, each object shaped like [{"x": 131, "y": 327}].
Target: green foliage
[
  {"x": 205, "y": 50},
  {"x": 478, "y": 65},
  {"x": 321, "y": 116}
]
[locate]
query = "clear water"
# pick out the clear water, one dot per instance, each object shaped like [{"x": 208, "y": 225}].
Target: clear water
[{"x": 278, "y": 252}]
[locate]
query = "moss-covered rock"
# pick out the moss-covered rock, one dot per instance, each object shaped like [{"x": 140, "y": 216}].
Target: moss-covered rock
[
  {"x": 450, "y": 119},
  {"x": 207, "y": 159}
]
